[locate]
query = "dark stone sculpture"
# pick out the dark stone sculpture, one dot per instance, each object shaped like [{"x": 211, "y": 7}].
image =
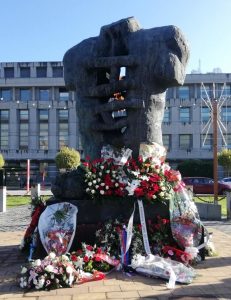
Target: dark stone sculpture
[{"x": 154, "y": 59}]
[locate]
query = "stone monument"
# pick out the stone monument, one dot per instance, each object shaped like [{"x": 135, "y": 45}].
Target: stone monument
[{"x": 152, "y": 59}]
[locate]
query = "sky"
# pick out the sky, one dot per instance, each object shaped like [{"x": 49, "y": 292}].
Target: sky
[{"x": 43, "y": 30}]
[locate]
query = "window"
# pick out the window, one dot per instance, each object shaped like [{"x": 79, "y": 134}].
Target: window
[
  {"x": 185, "y": 141},
  {"x": 57, "y": 71},
  {"x": 63, "y": 94},
  {"x": 4, "y": 128},
  {"x": 227, "y": 90},
  {"x": 25, "y": 72},
  {"x": 9, "y": 72},
  {"x": 44, "y": 95},
  {"x": 226, "y": 114},
  {"x": 43, "y": 129},
  {"x": 63, "y": 127},
  {"x": 183, "y": 92},
  {"x": 206, "y": 141},
  {"x": 6, "y": 94},
  {"x": 23, "y": 129},
  {"x": 185, "y": 115},
  {"x": 166, "y": 118},
  {"x": 167, "y": 141},
  {"x": 25, "y": 94},
  {"x": 205, "y": 114},
  {"x": 41, "y": 72}
]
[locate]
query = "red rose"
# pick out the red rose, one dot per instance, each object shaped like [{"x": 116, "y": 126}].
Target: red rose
[
  {"x": 86, "y": 259},
  {"x": 74, "y": 258},
  {"x": 89, "y": 247}
]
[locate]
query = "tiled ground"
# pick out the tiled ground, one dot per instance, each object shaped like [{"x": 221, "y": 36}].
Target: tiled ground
[{"x": 213, "y": 280}]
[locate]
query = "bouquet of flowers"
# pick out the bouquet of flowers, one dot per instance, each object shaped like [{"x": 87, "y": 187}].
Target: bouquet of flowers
[
  {"x": 92, "y": 258},
  {"x": 103, "y": 178},
  {"x": 50, "y": 273},
  {"x": 147, "y": 178}
]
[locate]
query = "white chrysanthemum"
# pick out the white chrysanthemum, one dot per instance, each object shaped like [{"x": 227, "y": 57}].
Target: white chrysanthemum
[
  {"x": 100, "y": 173},
  {"x": 94, "y": 181},
  {"x": 102, "y": 184},
  {"x": 102, "y": 192},
  {"x": 107, "y": 187},
  {"x": 93, "y": 191},
  {"x": 154, "y": 196},
  {"x": 116, "y": 184},
  {"x": 101, "y": 167},
  {"x": 161, "y": 194},
  {"x": 163, "y": 188},
  {"x": 49, "y": 268},
  {"x": 96, "y": 186},
  {"x": 37, "y": 263},
  {"x": 24, "y": 270},
  {"x": 89, "y": 183}
]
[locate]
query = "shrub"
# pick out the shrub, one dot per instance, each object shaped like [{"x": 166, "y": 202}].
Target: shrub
[
  {"x": 196, "y": 167},
  {"x": 224, "y": 160},
  {"x": 67, "y": 158},
  {"x": 2, "y": 161}
]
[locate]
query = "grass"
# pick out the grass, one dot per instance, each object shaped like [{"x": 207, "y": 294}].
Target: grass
[
  {"x": 12, "y": 201},
  {"x": 210, "y": 199}
]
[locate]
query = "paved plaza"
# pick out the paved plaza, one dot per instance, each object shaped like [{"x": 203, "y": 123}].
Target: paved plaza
[{"x": 213, "y": 279}]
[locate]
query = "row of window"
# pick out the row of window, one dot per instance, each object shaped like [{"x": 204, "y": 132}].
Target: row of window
[
  {"x": 185, "y": 114},
  {"x": 25, "y": 94},
  {"x": 43, "y": 129},
  {"x": 199, "y": 91},
  {"x": 186, "y": 141},
  {"x": 41, "y": 72}
]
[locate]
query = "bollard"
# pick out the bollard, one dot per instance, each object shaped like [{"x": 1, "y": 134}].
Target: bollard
[
  {"x": 3, "y": 199},
  {"x": 38, "y": 190},
  {"x": 228, "y": 202}
]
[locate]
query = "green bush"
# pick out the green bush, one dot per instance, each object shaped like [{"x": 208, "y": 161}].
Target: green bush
[
  {"x": 196, "y": 167},
  {"x": 224, "y": 160},
  {"x": 2, "y": 161},
  {"x": 67, "y": 158}
]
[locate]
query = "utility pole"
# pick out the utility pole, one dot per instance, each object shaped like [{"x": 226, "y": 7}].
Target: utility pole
[{"x": 215, "y": 148}]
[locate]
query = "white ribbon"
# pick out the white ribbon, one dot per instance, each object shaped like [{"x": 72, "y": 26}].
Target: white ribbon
[
  {"x": 129, "y": 230},
  {"x": 144, "y": 228}
]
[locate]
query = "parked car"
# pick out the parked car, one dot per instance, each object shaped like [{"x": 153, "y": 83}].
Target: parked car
[
  {"x": 205, "y": 185},
  {"x": 226, "y": 180}
]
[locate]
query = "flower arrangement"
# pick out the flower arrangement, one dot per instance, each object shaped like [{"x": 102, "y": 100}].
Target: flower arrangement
[
  {"x": 147, "y": 178},
  {"x": 93, "y": 258},
  {"x": 50, "y": 273}
]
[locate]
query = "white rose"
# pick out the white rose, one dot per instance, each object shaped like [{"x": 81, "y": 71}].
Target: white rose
[
  {"x": 100, "y": 173},
  {"x": 98, "y": 180},
  {"x": 52, "y": 255},
  {"x": 116, "y": 184},
  {"x": 69, "y": 270},
  {"x": 161, "y": 194},
  {"x": 101, "y": 167},
  {"x": 89, "y": 183},
  {"x": 107, "y": 187},
  {"x": 163, "y": 188},
  {"x": 154, "y": 196},
  {"x": 93, "y": 191},
  {"x": 102, "y": 184},
  {"x": 94, "y": 181},
  {"x": 102, "y": 192},
  {"x": 87, "y": 190},
  {"x": 108, "y": 171},
  {"x": 97, "y": 186}
]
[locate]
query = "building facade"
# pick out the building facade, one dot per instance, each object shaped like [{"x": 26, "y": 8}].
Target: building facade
[
  {"x": 38, "y": 117},
  {"x": 188, "y": 120}
]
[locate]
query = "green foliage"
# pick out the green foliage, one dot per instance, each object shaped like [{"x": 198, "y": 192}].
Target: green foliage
[
  {"x": 2, "y": 161},
  {"x": 196, "y": 167},
  {"x": 224, "y": 159},
  {"x": 67, "y": 158}
]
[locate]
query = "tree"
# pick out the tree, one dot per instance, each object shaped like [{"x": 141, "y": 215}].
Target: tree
[
  {"x": 67, "y": 158},
  {"x": 196, "y": 167},
  {"x": 224, "y": 160},
  {"x": 2, "y": 161}
]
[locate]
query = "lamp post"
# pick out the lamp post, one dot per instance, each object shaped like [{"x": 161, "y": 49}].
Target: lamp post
[{"x": 215, "y": 148}]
